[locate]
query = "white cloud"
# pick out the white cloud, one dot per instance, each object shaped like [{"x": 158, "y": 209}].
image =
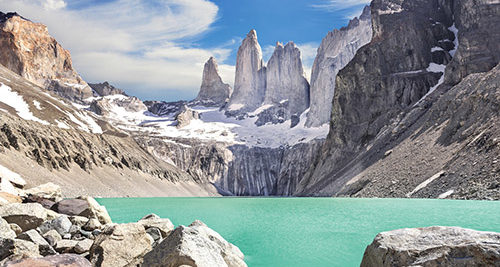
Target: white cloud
[
  {"x": 53, "y": 4},
  {"x": 335, "y": 5},
  {"x": 139, "y": 44}
]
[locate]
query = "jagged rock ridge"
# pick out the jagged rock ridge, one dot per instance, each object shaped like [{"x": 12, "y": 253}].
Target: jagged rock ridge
[
  {"x": 335, "y": 51},
  {"x": 27, "y": 49},
  {"x": 213, "y": 91}
]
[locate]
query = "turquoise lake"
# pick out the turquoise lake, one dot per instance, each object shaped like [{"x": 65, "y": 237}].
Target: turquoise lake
[{"x": 307, "y": 231}]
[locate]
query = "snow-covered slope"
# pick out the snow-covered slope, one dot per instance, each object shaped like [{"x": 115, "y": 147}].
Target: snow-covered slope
[{"x": 30, "y": 102}]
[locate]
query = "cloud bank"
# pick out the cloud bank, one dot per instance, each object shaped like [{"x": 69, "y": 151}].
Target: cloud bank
[{"x": 144, "y": 47}]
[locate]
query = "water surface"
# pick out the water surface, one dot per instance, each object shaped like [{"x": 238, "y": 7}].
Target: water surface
[{"x": 307, "y": 231}]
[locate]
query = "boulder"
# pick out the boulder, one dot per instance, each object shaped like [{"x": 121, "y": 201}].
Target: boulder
[
  {"x": 49, "y": 191},
  {"x": 120, "y": 245},
  {"x": 78, "y": 220},
  {"x": 66, "y": 246},
  {"x": 52, "y": 237},
  {"x": 433, "y": 246},
  {"x": 155, "y": 234},
  {"x": 46, "y": 203},
  {"x": 5, "y": 230},
  {"x": 61, "y": 224},
  {"x": 71, "y": 206},
  {"x": 15, "y": 249},
  {"x": 83, "y": 246},
  {"x": 6, "y": 198},
  {"x": 83, "y": 206},
  {"x": 195, "y": 245},
  {"x": 92, "y": 224},
  {"x": 33, "y": 236},
  {"x": 27, "y": 216},
  {"x": 15, "y": 228},
  {"x": 152, "y": 220},
  {"x": 66, "y": 260}
]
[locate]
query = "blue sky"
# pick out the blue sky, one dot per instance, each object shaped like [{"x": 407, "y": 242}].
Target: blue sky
[{"x": 155, "y": 49}]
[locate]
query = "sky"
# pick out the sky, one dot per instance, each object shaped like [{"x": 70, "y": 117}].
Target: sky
[{"x": 156, "y": 49}]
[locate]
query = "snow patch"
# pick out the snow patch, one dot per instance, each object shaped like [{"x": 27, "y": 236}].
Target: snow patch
[
  {"x": 234, "y": 107},
  {"x": 446, "y": 194},
  {"x": 16, "y": 101},
  {"x": 454, "y": 29},
  {"x": 425, "y": 183},
  {"x": 260, "y": 110},
  {"x": 37, "y": 105},
  {"x": 62, "y": 125},
  {"x": 436, "y": 48}
]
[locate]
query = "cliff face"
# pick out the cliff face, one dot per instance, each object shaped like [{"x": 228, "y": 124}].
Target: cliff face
[
  {"x": 105, "y": 89},
  {"x": 213, "y": 91},
  {"x": 27, "y": 49},
  {"x": 237, "y": 169},
  {"x": 389, "y": 86},
  {"x": 335, "y": 51},
  {"x": 250, "y": 77}
]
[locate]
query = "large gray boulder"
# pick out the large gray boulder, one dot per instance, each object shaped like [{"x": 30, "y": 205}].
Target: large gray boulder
[
  {"x": 83, "y": 206},
  {"x": 61, "y": 224},
  {"x": 185, "y": 116},
  {"x": 197, "y": 246},
  {"x": 120, "y": 245},
  {"x": 5, "y": 230},
  {"x": 49, "y": 191},
  {"x": 15, "y": 249},
  {"x": 165, "y": 226},
  {"x": 33, "y": 236},
  {"x": 27, "y": 216},
  {"x": 433, "y": 246},
  {"x": 66, "y": 260},
  {"x": 213, "y": 91}
]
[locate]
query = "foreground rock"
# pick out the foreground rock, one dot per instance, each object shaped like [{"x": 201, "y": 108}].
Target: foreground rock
[
  {"x": 433, "y": 246},
  {"x": 27, "y": 216},
  {"x": 195, "y": 245},
  {"x": 66, "y": 260},
  {"x": 121, "y": 245}
]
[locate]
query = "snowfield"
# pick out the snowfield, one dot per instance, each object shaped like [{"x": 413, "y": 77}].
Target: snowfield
[{"x": 213, "y": 125}]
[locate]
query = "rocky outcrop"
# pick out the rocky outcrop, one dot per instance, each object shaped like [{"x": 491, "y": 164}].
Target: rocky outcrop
[
  {"x": 195, "y": 245},
  {"x": 433, "y": 246},
  {"x": 104, "y": 106},
  {"x": 185, "y": 116},
  {"x": 336, "y": 50},
  {"x": 105, "y": 89},
  {"x": 213, "y": 91},
  {"x": 383, "y": 99},
  {"x": 286, "y": 82},
  {"x": 250, "y": 77},
  {"x": 28, "y": 50}
]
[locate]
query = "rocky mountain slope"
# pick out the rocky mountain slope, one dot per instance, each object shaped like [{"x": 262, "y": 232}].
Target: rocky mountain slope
[
  {"x": 46, "y": 138},
  {"x": 29, "y": 50},
  {"x": 401, "y": 126}
]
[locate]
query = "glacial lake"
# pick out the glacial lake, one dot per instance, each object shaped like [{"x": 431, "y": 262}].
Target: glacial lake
[{"x": 307, "y": 231}]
